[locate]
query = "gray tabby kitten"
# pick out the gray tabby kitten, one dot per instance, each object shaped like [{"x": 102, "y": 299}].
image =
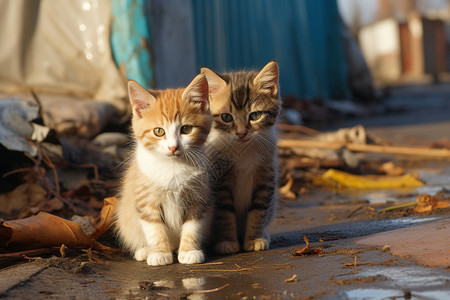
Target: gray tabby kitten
[{"x": 242, "y": 147}]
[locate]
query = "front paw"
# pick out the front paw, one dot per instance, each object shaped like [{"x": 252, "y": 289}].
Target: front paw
[
  {"x": 191, "y": 257},
  {"x": 258, "y": 244},
  {"x": 227, "y": 247},
  {"x": 159, "y": 258},
  {"x": 141, "y": 254}
]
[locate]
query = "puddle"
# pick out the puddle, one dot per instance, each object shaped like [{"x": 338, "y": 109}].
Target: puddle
[
  {"x": 192, "y": 288},
  {"x": 432, "y": 295},
  {"x": 402, "y": 222},
  {"x": 393, "y": 294},
  {"x": 410, "y": 277},
  {"x": 373, "y": 294},
  {"x": 420, "y": 282}
]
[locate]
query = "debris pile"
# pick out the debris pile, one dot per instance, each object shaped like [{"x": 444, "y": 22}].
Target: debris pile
[{"x": 55, "y": 185}]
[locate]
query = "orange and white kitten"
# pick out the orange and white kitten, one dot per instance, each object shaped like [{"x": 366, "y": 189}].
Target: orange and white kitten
[{"x": 165, "y": 199}]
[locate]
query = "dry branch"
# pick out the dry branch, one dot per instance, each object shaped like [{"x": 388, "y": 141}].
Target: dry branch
[{"x": 399, "y": 150}]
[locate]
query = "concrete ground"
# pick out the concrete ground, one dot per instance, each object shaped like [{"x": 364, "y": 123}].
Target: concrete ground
[{"x": 389, "y": 265}]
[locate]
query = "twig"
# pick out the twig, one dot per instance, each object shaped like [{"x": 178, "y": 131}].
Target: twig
[
  {"x": 41, "y": 175},
  {"x": 354, "y": 211},
  {"x": 354, "y": 264},
  {"x": 50, "y": 164},
  {"x": 291, "y": 279},
  {"x": 399, "y": 206},
  {"x": 17, "y": 171},
  {"x": 212, "y": 263},
  {"x": 357, "y": 265},
  {"x": 38, "y": 101},
  {"x": 23, "y": 254},
  {"x": 88, "y": 166},
  {"x": 221, "y": 270},
  {"x": 211, "y": 290}
]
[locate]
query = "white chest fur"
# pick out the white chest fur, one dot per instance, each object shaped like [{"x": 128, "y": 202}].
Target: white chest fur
[{"x": 167, "y": 172}]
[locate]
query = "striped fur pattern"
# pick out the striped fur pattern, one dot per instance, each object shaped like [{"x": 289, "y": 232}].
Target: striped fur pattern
[
  {"x": 242, "y": 149},
  {"x": 165, "y": 198}
]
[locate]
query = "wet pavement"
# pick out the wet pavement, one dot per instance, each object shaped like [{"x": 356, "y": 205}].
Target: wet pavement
[
  {"x": 336, "y": 222},
  {"x": 271, "y": 274}
]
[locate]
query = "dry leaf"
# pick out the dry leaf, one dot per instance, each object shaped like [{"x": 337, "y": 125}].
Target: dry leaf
[
  {"x": 389, "y": 168},
  {"x": 5, "y": 234},
  {"x": 46, "y": 230},
  {"x": 24, "y": 195},
  {"x": 426, "y": 203},
  {"x": 102, "y": 248},
  {"x": 105, "y": 218},
  {"x": 291, "y": 279},
  {"x": 42, "y": 230},
  {"x": 62, "y": 250},
  {"x": 285, "y": 191},
  {"x": 307, "y": 250},
  {"x": 52, "y": 204}
]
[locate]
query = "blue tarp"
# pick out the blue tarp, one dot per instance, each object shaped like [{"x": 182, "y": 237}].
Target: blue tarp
[
  {"x": 130, "y": 40},
  {"x": 303, "y": 35}
]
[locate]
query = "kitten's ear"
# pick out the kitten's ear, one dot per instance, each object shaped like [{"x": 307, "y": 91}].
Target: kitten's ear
[
  {"x": 267, "y": 79},
  {"x": 215, "y": 82},
  {"x": 140, "y": 99},
  {"x": 197, "y": 92}
]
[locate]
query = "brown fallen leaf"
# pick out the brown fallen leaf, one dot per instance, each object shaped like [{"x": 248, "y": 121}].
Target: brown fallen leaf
[
  {"x": 285, "y": 191},
  {"x": 389, "y": 168},
  {"x": 42, "y": 230},
  {"x": 105, "y": 218},
  {"x": 291, "y": 279},
  {"x": 426, "y": 203},
  {"x": 46, "y": 230},
  {"x": 307, "y": 250},
  {"x": 62, "y": 250},
  {"x": 24, "y": 195}
]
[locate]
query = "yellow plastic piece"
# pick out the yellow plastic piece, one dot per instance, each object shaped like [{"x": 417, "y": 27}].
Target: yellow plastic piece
[{"x": 346, "y": 180}]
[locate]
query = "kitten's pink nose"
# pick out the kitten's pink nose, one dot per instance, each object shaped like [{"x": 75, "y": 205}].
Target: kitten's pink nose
[
  {"x": 241, "y": 135},
  {"x": 173, "y": 148}
]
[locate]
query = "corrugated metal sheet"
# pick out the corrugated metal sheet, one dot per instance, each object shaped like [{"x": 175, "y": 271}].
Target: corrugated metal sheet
[
  {"x": 303, "y": 35},
  {"x": 130, "y": 40}
]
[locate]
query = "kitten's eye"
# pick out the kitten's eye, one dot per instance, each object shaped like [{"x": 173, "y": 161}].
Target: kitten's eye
[
  {"x": 255, "y": 115},
  {"x": 159, "y": 131},
  {"x": 227, "y": 117},
  {"x": 186, "y": 129}
]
